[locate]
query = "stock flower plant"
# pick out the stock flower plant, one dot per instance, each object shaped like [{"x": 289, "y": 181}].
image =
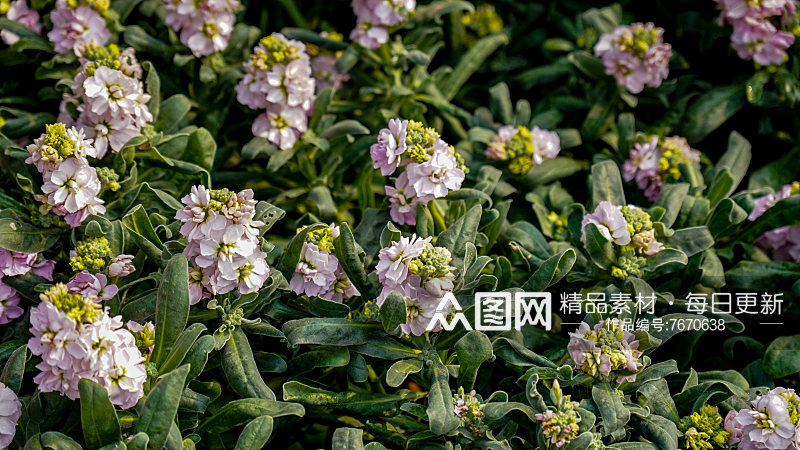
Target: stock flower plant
[{"x": 399, "y": 224}]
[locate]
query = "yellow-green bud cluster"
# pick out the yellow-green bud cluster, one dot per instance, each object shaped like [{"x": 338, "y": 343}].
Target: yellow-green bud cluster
[
  {"x": 91, "y": 255},
  {"x": 145, "y": 339},
  {"x": 519, "y": 151},
  {"x": 561, "y": 426},
  {"x": 420, "y": 140},
  {"x": 57, "y": 145},
  {"x": 101, "y": 6},
  {"x": 560, "y": 226},
  {"x": 2, "y": 122},
  {"x": 483, "y": 21},
  {"x": 101, "y": 56},
  {"x": 219, "y": 198},
  {"x": 323, "y": 237},
  {"x": 639, "y": 40},
  {"x": 628, "y": 265},
  {"x": 233, "y": 319},
  {"x": 76, "y": 307},
  {"x": 703, "y": 430},
  {"x": 794, "y": 403},
  {"x": 433, "y": 262},
  {"x": 108, "y": 178},
  {"x": 5, "y": 5},
  {"x": 608, "y": 339},
  {"x": 469, "y": 409},
  {"x": 273, "y": 50},
  {"x": 795, "y": 189},
  {"x": 673, "y": 155}
]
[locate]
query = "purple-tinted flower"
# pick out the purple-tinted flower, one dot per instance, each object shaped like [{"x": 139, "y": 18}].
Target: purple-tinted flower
[
  {"x": 497, "y": 147},
  {"x": 420, "y": 310},
  {"x": 373, "y": 16},
  {"x": 733, "y": 427},
  {"x": 121, "y": 266},
  {"x": 10, "y": 412},
  {"x": 635, "y": 55},
  {"x": 393, "y": 261},
  {"x": 546, "y": 145},
  {"x": 436, "y": 176},
  {"x": 604, "y": 349},
  {"x": 205, "y": 27},
  {"x": 86, "y": 284},
  {"x": 784, "y": 241},
  {"x": 281, "y": 127},
  {"x": 72, "y": 185},
  {"x": 391, "y": 144},
  {"x": 326, "y": 73},
  {"x": 609, "y": 221},
  {"x": 767, "y": 425},
  {"x": 9, "y": 301},
  {"x": 19, "y": 12},
  {"x": 73, "y": 29}
]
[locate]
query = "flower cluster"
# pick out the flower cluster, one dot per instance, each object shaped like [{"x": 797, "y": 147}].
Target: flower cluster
[
  {"x": 18, "y": 11},
  {"x": 635, "y": 55},
  {"x": 87, "y": 284},
  {"x": 318, "y": 272},
  {"x": 784, "y": 241},
  {"x": 14, "y": 264},
  {"x": 224, "y": 242},
  {"x": 771, "y": 423},
  {"x": 71, "y": 186},
  {"x": 79, "y": 24},
  {"x": 108, "y": 98},
  {"x": 482, "y": 22},
  {"x": 631, "y": 229},
  {"x": 90, "y": 255},
  {"x": 432, "y": 167},
  {"x": 605, "y": 349},
  {"x": 205, "y": 26},
  {"x": 762, "y": 30},
  {"x": 523, "y": 148},
  {"x": 374, "y": 16},
  {"x": 421, "y": 273},
  {"x": 10, "y": 412},
  {"x": 704, "y": 430},
  {"x": 144, "y": 335},
  {"x": 278, "y": 78},
  {"x": 656, "y": 161},
  {"x": 77, "y": 339},
  {"x": 468, "y": 408},
  {"x": 323, "y": 64},
  {"x": 560, "y": 426}
]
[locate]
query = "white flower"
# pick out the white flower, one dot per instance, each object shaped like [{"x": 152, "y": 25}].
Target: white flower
[
  {"x": 10, "y": 412},
  {"x": 282, "y": 127},
  {"x": 112, "y": 90},
  {"x": 72, "y": 185},
  {"x": 438, "y": 175}
]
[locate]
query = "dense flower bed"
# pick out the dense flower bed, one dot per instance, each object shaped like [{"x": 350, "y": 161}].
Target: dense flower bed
[{"x": 386, "y": 225}]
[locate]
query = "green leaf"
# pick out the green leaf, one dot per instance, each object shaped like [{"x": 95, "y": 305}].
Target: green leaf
[
  {"x": 393, "y": 313},
  {"x": 345, "y": 127},
  {"x": 330, "y": 331},
  {"x": 780, "y": 358},
  {"x": 711, "y": 110},
  {"x": 600, "y": 249},
  {"x": 690, "y": 241},
  {"x": 98, "y": 417},
  {"x": 439, "y": 8},
  {"x": 322, "y": 356},
  {"x": 201, "y": 149},
  {"x": 239, "y": 412},
  {"x": 172, "y": 306},
  {"x": 398, "y": 372},
  {"x": 25, "y": 238},
  {"x": 143, "y": 234},
  {"x": 590, "y": 65},
  {"x": 255, "y": 434},
  {"x": 463, "y": 230},
  {"x": 351, "y": 258},
  {"x": 551, "y": 271},
  {"x": 470, "y": 62},
  {"x": 671, "y": 199},
  {"x": 655, "y": 395},
  {"x": 241, "y": 370},
  {"x": 348, "y": 439},
  {"x": 660, "y": 430},
  {"x": 182, "y": 345},
  {"x": 356, "y": 402},
  {"x": 160, "y": 406},
  {"x": 440, "y": 401},
  {"x": 58, "y": 441},
  {"x": 14, "y": 370},
  {"x": 606, "y": 184},
  {"x": 139, "y": 39},
  {"x": 172, "y": 112},
  {"x": 615, "y": 415},
  {"x": 153, "y": 85},
  {"x": 473, "y": 349}
]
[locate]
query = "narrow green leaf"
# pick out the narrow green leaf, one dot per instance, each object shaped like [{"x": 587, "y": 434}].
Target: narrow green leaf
[
  {"x": 241, "y": 370},
  {"x": 172, "y": 306},
  {"x": 160, "y": 406},
  {"x": 98, "y": 417}
]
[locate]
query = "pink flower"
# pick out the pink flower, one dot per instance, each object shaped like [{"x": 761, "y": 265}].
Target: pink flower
[
  {"x": 326, "y": 73},
  {"x": 10, "y": 412},
  {"x": 73, "y": 185},
  {"x": 404, "y": 201},
  {"x": 74, "y": 28},
  {"x": 121, "y": 266},
  {"x": 19, "y": 12},
  {"x": 609, "y": 221},
  {"x": 635, "y": 55},
  {"x": 436, "y": 176},
  {"x": 369, "y": 35},
  {"x": 315, "y": 273},
  {"x": 759, "y": 40},
  {"x": 9, "y": 301},
  {"x": 205, "y": 27},
  {"x": 767, "y": 424},
  {"x": 497, "y": 147},
  {"x": 393, "y": 261},
  {"x": 281, "y": 127},
  {"x": 546, "y": 145},
  {"x": 86, "y": 284},
  {"x": 15, "y": 263},
  {"x": 391, "y": 144}
]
